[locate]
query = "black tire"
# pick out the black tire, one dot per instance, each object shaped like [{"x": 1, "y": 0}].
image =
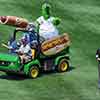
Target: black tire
[
  {"x": 9, "y": 73},
  {"x": 34, "y": 72},
  {"x": 63, "y": 65}
]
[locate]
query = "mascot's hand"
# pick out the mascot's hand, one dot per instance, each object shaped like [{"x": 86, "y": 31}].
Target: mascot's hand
[{"x": 56, "y": 21}]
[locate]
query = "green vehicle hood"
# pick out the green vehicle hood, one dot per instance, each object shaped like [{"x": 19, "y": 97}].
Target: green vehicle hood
[{"x": 8, "y": 57}]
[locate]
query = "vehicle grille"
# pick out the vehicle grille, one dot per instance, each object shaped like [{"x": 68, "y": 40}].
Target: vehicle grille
[{"x": 5, "y": 63}]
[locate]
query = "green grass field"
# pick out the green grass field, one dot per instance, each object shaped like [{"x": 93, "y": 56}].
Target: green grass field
[{"x": 81, "y": 19}]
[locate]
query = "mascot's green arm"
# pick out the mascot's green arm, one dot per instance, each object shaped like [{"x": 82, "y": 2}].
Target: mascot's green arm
[{"x": 56, "y": 21}]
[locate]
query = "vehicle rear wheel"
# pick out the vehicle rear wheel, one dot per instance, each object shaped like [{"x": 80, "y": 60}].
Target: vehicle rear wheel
[
  {"x": 34, "y": 72},
  {"x": 63, "y": 65}
]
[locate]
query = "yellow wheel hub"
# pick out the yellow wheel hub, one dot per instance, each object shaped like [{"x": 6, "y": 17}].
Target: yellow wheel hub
[
  {"x": 34, "y": 73},
  {"x": 64, "y": 66}
]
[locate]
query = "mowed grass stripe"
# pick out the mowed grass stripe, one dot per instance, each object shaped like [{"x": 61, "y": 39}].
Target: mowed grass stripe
[{"x": 81, "y": 20}]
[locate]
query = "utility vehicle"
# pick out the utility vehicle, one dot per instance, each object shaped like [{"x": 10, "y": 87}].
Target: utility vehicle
[{"x": 49, "y": 55}]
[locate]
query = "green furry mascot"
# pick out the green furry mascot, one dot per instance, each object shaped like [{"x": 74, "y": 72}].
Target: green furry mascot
[{"x": 47, "y": 25}]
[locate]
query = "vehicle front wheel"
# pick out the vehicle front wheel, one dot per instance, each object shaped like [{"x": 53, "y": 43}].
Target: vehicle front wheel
[
  {"x": 63, "y": 65},
  {"x": 34, "y": 72},
  {"x": 9, "y": 73}
]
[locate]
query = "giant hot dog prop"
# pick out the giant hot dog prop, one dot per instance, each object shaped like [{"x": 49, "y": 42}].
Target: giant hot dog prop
[
  {"x": 55, "y": 45},
  {"x": 14, "y": 21}
]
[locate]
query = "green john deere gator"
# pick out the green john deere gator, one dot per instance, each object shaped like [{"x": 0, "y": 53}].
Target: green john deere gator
[{"x": 47, "y": 55}]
